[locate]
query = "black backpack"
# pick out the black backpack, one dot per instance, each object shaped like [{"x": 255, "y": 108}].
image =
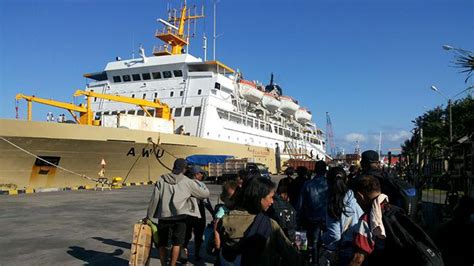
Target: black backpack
[
  {"x": 285, "y": 215},
  {"x": 406, "y": 243},
  {"x": 400, "y": 193}
]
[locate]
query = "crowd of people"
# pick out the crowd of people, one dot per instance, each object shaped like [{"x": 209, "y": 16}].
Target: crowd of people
[{"x": 342, "y": 216}]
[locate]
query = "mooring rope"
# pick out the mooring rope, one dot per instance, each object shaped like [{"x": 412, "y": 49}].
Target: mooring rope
[
  {"x": 155, "y": 145},
  {"x": 52, "y": 164}
]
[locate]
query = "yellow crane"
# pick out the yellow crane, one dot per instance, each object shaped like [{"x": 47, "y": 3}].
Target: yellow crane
[
  {"x": 85, "y": 113},
  {"x": 162, "y": 110}
]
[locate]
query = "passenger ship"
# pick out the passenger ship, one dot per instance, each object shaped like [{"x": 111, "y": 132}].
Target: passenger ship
[{"x": 204, "y": 107}]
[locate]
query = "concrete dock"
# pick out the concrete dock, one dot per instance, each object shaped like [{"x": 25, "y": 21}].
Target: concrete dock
[{"x": 75, "y": 227}]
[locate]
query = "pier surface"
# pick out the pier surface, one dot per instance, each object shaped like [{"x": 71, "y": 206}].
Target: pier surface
[{"x": 76, "y": 227}]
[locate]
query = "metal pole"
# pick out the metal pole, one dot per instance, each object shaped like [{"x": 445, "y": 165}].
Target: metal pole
[
  {"x": 214, "y": 37},
  {"x": 450, "y": 122},
  {"x": 204, "y": 47}
]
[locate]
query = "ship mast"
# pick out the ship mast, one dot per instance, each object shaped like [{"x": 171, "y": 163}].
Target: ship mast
[{"x": 173, "y": 33}]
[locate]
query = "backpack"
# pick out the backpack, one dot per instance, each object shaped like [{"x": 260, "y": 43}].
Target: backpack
[
  {"x": 285, "y": 215},
  {"x": 406, "y": 243},
  {"x": 400, "y": 193},
  {"x": 250, "y": 246}
]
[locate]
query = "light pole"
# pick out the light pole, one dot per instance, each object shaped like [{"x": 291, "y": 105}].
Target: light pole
[
  {"x": 464, "y": 60},
  {"x": 448, "y": 47},
  {"x": 433, "y": 87}
]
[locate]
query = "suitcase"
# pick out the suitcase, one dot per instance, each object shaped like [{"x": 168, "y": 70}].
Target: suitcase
[{"x": 141, "y": 245}]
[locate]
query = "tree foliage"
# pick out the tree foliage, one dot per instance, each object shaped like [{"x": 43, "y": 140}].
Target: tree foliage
[{"x": 431, "y": 130}]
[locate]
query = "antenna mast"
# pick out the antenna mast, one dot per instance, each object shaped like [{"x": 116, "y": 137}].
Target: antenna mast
[
  {"x": 174, "y": 31},
  {"x": 204, "y": 47},
  {"x": 330, "y": 135},
  {"x": 380, "y": 145},
  {"x": 214, "y": 37}
]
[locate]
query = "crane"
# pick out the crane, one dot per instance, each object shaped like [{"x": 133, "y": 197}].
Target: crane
[
  {"x": 162, "y": 110},
  {"x": 330, "y": 135},
  {"x": 85, "y": 113}
]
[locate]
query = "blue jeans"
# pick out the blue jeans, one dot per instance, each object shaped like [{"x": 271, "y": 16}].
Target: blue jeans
[{"x": 314, "y": 241}]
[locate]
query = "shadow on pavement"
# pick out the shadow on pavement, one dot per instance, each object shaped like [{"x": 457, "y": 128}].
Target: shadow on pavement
[
  {"x": 126, "y": 245},
  {"x": 112, "y": 242},
  {"x": 92, "y": 257}
]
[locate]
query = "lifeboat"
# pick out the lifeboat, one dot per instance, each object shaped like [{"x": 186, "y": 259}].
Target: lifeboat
[
  {"x": 288, "y": 106},
  {"x": 249, "y": 91},
  {"x": 303, "y": 116},
  {"x": 270, "y": 102}
]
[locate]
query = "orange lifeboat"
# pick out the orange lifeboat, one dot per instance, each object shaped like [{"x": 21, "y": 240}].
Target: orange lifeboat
[
  {"x": 249, "y": 91},
  {"x": 288, "y": 105}
]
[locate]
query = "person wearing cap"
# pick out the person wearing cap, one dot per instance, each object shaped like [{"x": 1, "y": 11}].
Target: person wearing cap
[
  {"x": 194, "y": 224},
  {"x": 370, "y": 165},
  {"x": 174, "y": 198}
]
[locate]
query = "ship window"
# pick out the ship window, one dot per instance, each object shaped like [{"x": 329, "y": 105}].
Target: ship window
[
  {"x": 126, "y": 78},
  {"x": 133, "y": 95},
  {"x": 117, "y": 79},
  {"x": 187, "y": 111},
  {"x": 114, "y": 112},
  {"x": 156, "y": 95},
  {"x": 167, "y": 74},
  {"x": 197, "y": 111},
  {"x": 171, "y": 93},
  {"x": 123, "y": 112},
  {"x": 199, "y": 92},
  {"x": 146, "y": 76},
  {"x": 177, "y": 113},
  {"x": 178, "y": 73},
  {"x": 156, "y": 75},
  {"x": 106, "y": 113},
  {"x": 181, "y": 93},
  {"x": 140, "y": 112},
  {"x": 250, "y": 122},
  {"x": 152, "y": 112},
  {"x": 144, "y": 96},
  {"x": 136, "y": 77},
  {"x": 131, "y": 112},
  {"x": 217, "y": 85}
]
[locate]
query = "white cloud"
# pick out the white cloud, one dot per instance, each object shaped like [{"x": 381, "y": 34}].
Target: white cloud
[
  {"x": 398, "y": 136},
  {"x": 353, "y": 137}
]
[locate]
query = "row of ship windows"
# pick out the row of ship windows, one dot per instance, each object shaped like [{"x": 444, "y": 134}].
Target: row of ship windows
[
  {"x": 264, "y": 126},
  {"x": 181, "y": 93},
  {"x": 177, "y": 112},
  {"x": 147, "y": 76}
]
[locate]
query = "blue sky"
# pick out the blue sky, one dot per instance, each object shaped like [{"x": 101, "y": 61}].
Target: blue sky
[{"x": 369, "y": 63}]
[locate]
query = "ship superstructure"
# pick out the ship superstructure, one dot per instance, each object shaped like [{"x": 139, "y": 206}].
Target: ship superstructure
[{"x": 207, "y": 98}]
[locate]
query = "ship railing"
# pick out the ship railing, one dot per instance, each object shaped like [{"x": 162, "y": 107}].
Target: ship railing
[
  {"x": 164, "y": 31},
  {"x": 161, "y": 50}
]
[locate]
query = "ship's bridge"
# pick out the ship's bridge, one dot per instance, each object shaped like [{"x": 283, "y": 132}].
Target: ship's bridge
[{"x": 151, "y": 61}]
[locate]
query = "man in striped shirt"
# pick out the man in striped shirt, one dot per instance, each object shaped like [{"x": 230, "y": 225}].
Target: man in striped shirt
[{"x": 369, "y": 239}]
